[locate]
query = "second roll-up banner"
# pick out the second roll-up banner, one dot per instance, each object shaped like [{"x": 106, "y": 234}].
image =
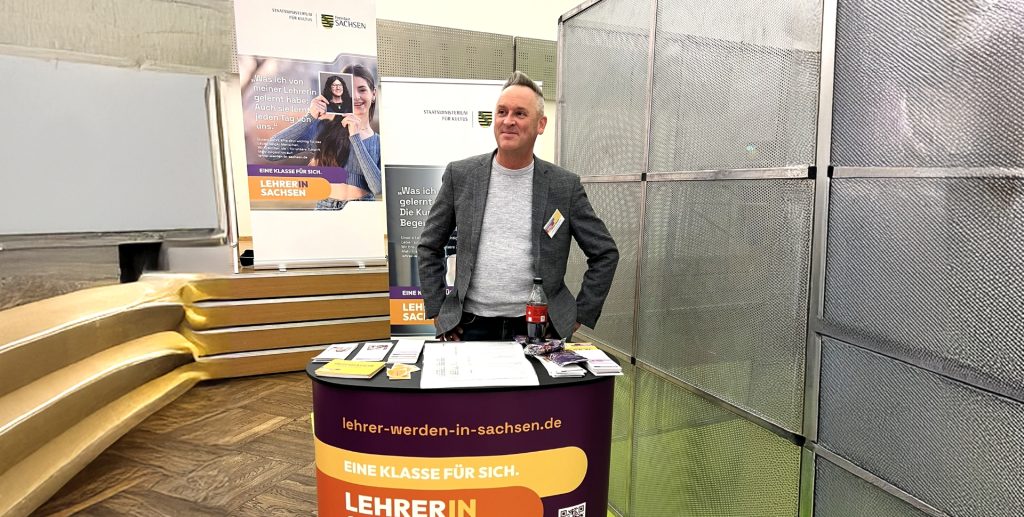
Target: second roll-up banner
[{"x": 430, "y": 122}]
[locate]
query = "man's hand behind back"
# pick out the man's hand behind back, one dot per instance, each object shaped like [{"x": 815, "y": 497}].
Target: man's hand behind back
[{"x": 454, "y": 334}]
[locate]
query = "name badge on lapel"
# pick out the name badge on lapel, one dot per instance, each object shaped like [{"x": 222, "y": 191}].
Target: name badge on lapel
[{"x": 551, "y": 227}]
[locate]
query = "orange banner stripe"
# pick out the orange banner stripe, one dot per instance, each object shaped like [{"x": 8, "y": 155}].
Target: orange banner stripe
[{"x": 549, "y": 472}]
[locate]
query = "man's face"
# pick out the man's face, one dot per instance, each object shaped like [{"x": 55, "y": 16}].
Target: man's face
[{"x": 517, "y": 122}]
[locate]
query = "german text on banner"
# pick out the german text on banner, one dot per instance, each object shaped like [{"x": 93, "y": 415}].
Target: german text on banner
[{"x": 310, "y": 91}]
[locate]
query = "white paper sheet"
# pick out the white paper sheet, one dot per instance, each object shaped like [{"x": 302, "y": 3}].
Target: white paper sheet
[
  {"x": 467, "y": 364},
  {"x": 373, "y": 351}
]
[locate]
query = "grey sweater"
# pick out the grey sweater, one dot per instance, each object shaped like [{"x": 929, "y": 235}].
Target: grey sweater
[{"x": 503, "y": 275}]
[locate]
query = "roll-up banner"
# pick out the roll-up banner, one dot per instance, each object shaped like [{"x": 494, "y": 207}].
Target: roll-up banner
[
  {"x": 430, "y": 122},
  {"x": 308, "y": 76}
]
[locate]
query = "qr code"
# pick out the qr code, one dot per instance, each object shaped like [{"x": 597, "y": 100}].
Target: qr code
[{"x": 579, "y": 510}]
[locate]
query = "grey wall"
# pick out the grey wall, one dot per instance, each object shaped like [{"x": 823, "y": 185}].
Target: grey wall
[
  {"x": 196, "y": 35},
  {"x": 104, "y": 149},
  {"x": 131, "y": 139}
]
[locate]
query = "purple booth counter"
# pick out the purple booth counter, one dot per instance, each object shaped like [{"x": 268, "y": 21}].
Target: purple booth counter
[{"x": 390, "y": 448}]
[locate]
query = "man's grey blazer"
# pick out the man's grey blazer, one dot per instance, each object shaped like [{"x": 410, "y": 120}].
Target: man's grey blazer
[{"x": 460, "y": 203}]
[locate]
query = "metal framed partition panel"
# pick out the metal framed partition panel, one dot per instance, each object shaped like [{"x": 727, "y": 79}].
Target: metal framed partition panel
[
  {"x": 921, "y": 312},
  {"x": 821, "y": 212}
]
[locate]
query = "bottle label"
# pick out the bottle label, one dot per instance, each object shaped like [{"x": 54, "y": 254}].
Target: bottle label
[{"x": 536, "y": 313}]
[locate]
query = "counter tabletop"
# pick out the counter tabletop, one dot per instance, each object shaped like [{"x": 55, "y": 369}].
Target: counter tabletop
[{"x": 380, "y": 381}]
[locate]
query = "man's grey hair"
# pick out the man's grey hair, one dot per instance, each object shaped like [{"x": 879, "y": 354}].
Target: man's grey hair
[{"x": 518, "y": 78}]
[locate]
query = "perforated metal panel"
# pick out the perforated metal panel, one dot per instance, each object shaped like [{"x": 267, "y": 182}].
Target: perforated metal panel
[
  {"x": 955, "y": 447},
  {"x": 724, "y": 289},
  {"x": 695, "y": 459},
  {"x": 603, "y": 100},
  {"x": 538, "y": 58},
  {"x": 924, "y": 84},
  {"x": 932, "y": 270},
  {"x": 233, "y": 62},
  {"x": 413, "y": 50},
  {"x": 838, "y": 493},
  {"x": 735, "y": 84},
  {"x": 622, "y": 440},
  {"x": 618, "y": 205}
]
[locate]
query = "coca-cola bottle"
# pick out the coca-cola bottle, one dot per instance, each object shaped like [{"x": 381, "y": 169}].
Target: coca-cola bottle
[{"x": 537, "y": 312}]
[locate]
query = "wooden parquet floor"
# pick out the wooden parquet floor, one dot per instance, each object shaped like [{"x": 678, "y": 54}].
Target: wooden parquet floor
[{"x": 231, "y": 447}]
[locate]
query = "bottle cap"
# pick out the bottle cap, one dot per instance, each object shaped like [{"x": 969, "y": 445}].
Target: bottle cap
[{"x": 537, "y": 280}]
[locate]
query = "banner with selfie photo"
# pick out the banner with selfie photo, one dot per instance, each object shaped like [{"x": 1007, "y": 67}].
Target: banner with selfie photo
[
  {"x": 430, "y": 122},
  {"x": 310, "y": 105}
]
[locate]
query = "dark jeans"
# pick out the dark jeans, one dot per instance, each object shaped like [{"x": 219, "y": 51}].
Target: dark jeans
[{"x": 482, "y": 328}]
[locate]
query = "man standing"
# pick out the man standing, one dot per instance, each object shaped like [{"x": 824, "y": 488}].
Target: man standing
[{"x": 515, "y": 215}]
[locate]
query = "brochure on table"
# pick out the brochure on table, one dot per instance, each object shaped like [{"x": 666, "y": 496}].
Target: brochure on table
[{"x": 339, "y": 351}]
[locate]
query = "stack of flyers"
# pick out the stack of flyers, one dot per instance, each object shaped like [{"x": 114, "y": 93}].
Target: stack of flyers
[
  {"x": 373, "y": 351},
  {"x": 554, "y": 370},
  {"x": 406, "y": 351},
  {"x": 401, "y": 372},
  {"x": 598, "y": 362},
  {"x": 349, "y": 369},
  {"x": 339, "y": 351},
  {"x": 565, "y": 357}
]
